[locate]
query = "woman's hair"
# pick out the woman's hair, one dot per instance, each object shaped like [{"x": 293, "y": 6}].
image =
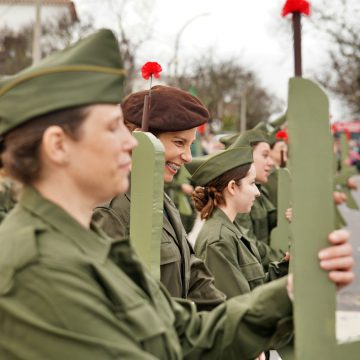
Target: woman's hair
[
  {"x": 132, "y": 127},
  {"x": 210, "y": 196},
  {"x": 20, "y": 153}
]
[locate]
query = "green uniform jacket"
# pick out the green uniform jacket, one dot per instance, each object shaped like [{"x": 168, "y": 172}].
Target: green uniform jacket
[
  {"x": 7, "y": 200},
  {"x": 234, "y": 260},
  {"x": 182, "y": 201},
  {"x": 182, "y": 273},
  {"x": 271, "y": 186},
  {"x": 71, "y": 293},
  {"x": 257, "y": 226}
]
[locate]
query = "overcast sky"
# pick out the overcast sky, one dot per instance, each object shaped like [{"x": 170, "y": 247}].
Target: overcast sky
[{"x": 251, "y": 30}]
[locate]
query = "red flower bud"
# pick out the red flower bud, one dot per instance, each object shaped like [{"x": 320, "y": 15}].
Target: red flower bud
[
  {"x": 282, "y": 135},
  {"x": 296, "y": 6},
  {"x": 151, "y": 68}
]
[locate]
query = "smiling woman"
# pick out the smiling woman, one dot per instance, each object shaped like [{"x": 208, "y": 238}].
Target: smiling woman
[
  {"x": 68, "y": 291},
  {"x": 227, "y": 187},
  {"x": 174, "y": 116},
  {"x": 177, "y": 147}
]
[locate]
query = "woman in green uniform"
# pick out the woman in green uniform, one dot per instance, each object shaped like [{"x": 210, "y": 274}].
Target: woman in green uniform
[
  {"x": 257, "y": 225},
  {"x": 279, "y": 155},
  {"x": 67, "y": 291},
  {"x": 226, "y": 188},
  {"x": 173, "y": 119}
]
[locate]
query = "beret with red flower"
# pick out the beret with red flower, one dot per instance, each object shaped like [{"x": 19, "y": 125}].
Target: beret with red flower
[{"x": 171, "y": 109}]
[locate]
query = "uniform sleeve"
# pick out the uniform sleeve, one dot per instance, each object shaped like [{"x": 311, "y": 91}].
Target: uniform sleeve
[
  {"x": 114, "y": 220},
  {"x": 202, "y": 289},
  {"x": 221, "y": 258},
  {"x": 63, "y": 314},
  {"x": 268, "y": 254},
  {"x": 68, "y": 315},
  {"x": 241, "y": 328}
]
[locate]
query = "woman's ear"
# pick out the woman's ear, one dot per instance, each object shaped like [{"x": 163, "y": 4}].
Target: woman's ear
[
  {"x": 231, "y": 187},
  {"x": 54, "y": 145}
]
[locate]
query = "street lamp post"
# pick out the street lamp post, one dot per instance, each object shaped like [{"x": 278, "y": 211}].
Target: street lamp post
[{"x": 174, "y": 60}]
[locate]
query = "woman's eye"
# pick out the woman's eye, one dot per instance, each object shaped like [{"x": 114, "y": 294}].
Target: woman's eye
[
  {"x": 179, "y": 143},
  {"x": 113, "y": 126}
]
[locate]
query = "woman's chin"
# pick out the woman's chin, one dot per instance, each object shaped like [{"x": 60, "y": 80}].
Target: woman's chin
[{"x": 168, "y": 178}]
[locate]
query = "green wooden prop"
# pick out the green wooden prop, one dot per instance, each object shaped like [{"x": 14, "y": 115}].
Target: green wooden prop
[
  {"x": 147, "y": 192},
  {"x": 280, "y": 236},
  {"x": 313, "y": 218}
]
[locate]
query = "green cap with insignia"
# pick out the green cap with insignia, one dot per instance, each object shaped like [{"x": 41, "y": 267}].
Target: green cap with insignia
[
  {"x": 88, "y": 72},
  {"x": 203, "y": 169},
  {"x": 250, "y": 137}
]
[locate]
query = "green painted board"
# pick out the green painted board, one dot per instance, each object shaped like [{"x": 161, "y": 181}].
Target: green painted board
[
  {"x": 313, "y": 219},
  {"x": 280, "y": 236},
  {"x": 147, "y": 192}
]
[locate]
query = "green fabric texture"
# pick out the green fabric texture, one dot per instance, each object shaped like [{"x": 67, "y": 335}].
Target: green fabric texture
[
  {"x": 181, "y": 200},
  {"x": 78, "y": 294},
  {"x": 181, "y": 272},
  {"x": 250, "y": 137},
  {"x": 272, "y": 138},
  {"x": 7, "y": 198},
  {"x": 272, "y": 186},
  {"x": 261, "y": 132},
  {"x": 259, "y": 224},
  {"x": 76, "y": 76},
  {"x": 280, "y": 121},
  {"x": 227, "y": 140},
  {"x": 232, "y": 259},
  {"x": 203, "y": 169}
]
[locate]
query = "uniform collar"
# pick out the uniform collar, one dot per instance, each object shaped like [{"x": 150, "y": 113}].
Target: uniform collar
[
  {"x": 219, "y": 214},
  {"x": 92, "y": 242}
]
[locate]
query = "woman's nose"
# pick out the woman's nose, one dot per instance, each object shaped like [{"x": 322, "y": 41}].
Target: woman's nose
[{"x": 186, "y": 155}]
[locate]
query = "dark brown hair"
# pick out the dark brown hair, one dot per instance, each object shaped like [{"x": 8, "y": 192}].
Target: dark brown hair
[
  {"x": 210, "y": 196},
  {"x": 21, "y": 146},
  {"x": 132, "y": 127}
]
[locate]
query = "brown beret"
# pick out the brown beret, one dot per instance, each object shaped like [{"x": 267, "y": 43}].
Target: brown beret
[{"x": 171, "y": 109}]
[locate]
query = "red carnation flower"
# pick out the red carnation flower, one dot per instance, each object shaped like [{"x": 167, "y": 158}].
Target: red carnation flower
[
  {"x": 151, "y": 68},
  {"x": 282, "y": 135},
  {"x": 296, "y": 6}
]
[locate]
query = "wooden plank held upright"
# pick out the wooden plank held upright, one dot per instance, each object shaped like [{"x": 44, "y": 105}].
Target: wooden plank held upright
[{"x": 147, "y": 189}]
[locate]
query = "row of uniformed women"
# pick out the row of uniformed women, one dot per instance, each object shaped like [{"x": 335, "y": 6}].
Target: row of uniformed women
[{"x": 67, "y": 290}]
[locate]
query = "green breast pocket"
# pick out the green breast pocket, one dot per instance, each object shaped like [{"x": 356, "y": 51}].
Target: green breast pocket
[
  {"x": 142, "y": 321},
  {"x": 169, "y": 253},
  {"x": 254, "y": 273}
]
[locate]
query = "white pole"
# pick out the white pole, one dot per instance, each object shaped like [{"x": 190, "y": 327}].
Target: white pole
[{"x": 36, "y": 53}]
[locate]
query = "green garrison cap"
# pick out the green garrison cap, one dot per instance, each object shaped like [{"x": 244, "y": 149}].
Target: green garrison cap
[
  {"x": 227, "y": 140},
  {"x": 278, "y": 122},
  {"x": 89, "y": 72},
  {"x": 203, "y": 169},
  {"x": 250, "y": 137}
]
